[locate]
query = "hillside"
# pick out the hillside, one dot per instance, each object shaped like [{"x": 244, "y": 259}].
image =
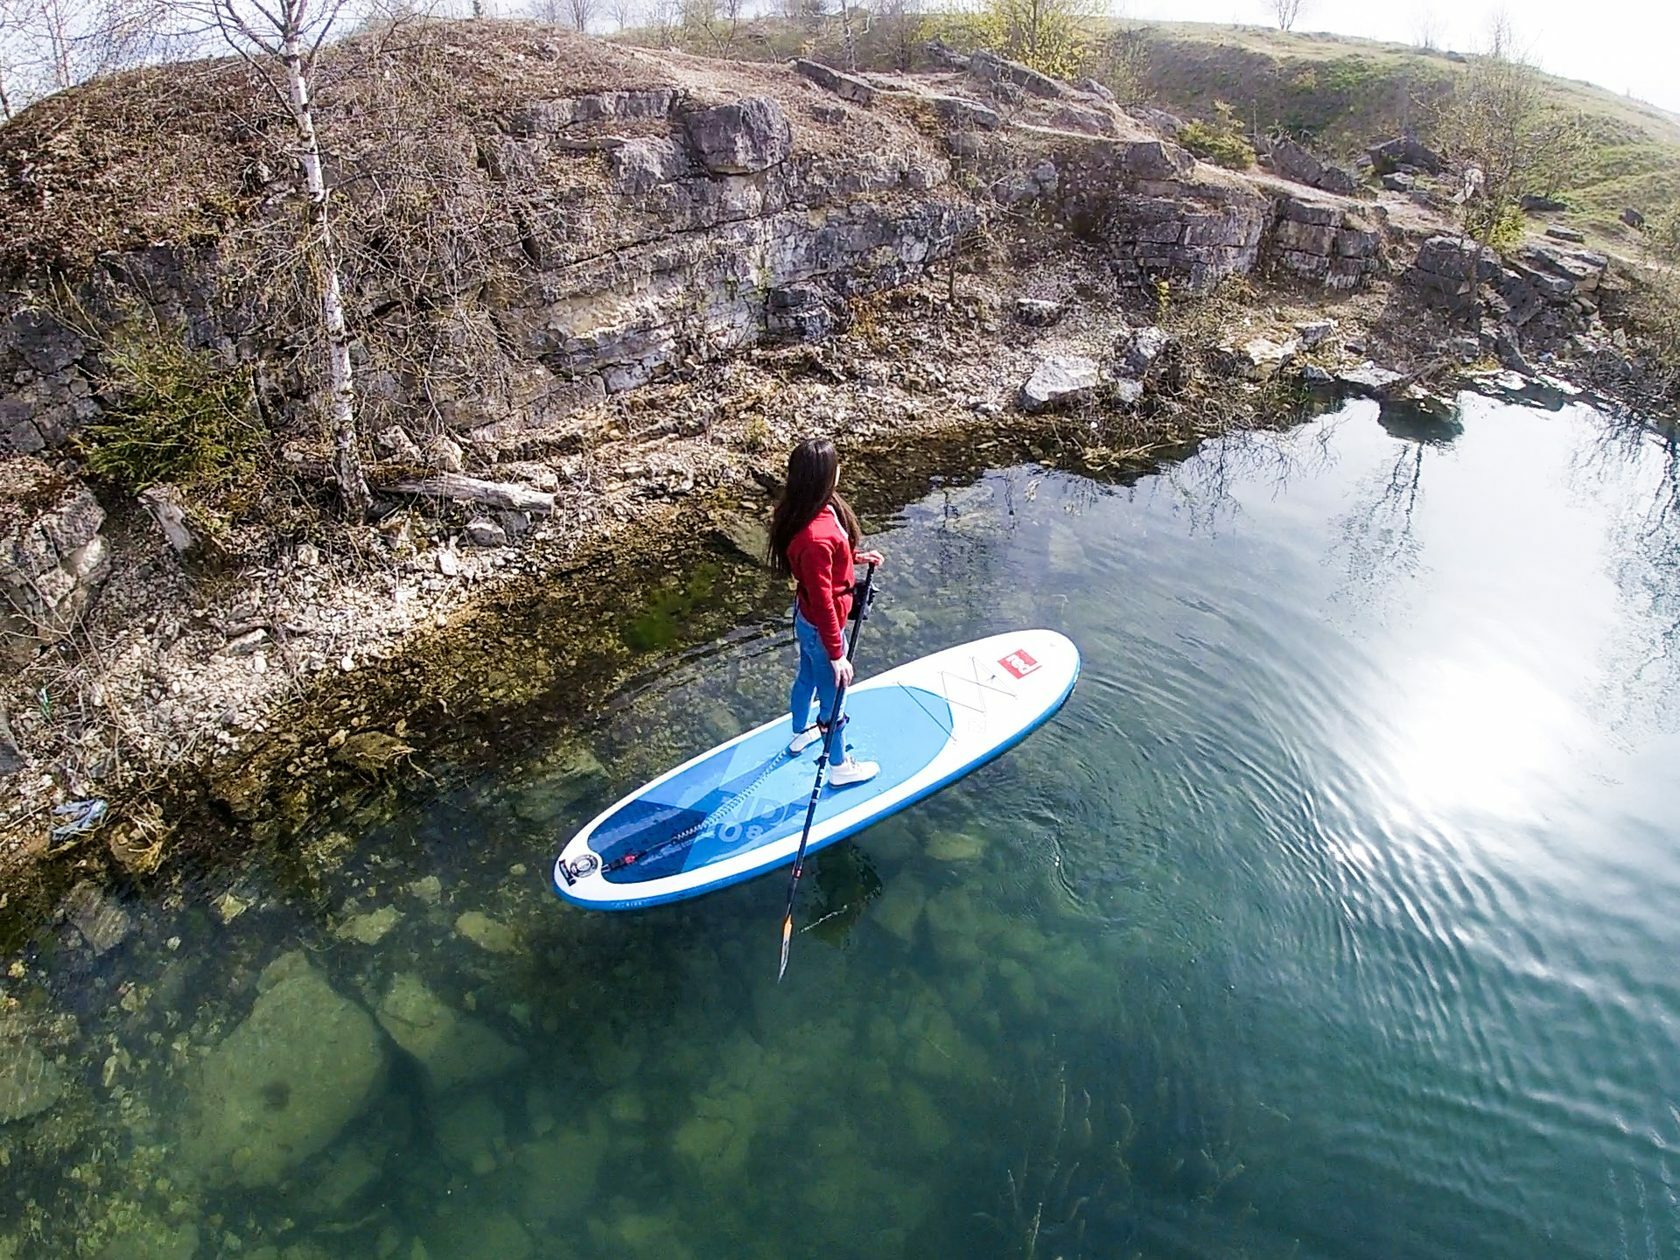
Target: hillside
[
  {"x": 1341, "y": 92},
  {"x": 1336, "y": 92}
]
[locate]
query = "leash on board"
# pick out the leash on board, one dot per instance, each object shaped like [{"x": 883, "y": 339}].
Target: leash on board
[{"x": 836, "y": 720}]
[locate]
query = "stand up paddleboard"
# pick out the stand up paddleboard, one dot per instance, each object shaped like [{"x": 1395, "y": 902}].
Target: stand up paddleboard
[{"x": 737, "y": 811}]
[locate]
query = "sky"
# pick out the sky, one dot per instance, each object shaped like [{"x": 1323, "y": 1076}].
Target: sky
[{"x": 1628, "y": 46}]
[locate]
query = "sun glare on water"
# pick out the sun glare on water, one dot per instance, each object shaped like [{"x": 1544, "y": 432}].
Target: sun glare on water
[{"x": 1487, "y": 736}]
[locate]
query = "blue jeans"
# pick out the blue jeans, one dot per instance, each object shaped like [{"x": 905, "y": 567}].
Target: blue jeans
[{"x": 815, "y": 680}]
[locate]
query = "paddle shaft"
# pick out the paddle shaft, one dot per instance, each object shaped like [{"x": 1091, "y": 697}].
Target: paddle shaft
[{"x": 834, "y": 723}]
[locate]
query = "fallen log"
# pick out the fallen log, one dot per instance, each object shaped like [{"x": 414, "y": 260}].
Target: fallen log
[{"x": 501, "y": 494}]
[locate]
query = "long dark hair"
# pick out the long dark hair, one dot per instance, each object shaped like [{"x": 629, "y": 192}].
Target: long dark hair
[{"x": 812, "y": 471}]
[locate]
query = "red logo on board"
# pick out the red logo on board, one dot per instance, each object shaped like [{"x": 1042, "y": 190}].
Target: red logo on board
[{"x": 1019, "y": 662}]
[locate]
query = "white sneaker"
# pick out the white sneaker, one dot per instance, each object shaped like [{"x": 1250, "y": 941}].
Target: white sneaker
[
  {"x": 810, "y": 735},
  {"x": 852, "y": 771}
]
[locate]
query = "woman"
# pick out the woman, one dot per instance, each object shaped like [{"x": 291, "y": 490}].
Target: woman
[{"x": 813, "y": 539}]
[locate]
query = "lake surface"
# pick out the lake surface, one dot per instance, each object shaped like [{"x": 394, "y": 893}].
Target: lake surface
[{"x": 1337, "y": 915}]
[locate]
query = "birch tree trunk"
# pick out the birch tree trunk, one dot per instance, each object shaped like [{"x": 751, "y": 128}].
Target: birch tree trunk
[{"x": 341, "y": 407}]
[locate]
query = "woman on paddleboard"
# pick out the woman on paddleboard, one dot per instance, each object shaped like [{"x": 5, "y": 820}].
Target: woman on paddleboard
[{"x": 813, "y": 539}]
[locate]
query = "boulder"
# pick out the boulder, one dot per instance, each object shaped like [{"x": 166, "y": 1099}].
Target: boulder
[
  {"x": 1402, "y": 151},
  {"x": 1368, "y": 380},
  {"x": 1037, "y": 312},
  {"x": 959, "y": 111},
  {"x": 1445, "y": 267},
  {"x": 1058, "y": 382},
  {"x": 1533, "y": 203},
  {"x": 1399, "y": 181},
  {"x": 52, "y": 555},
  {"x": 1633, "y": 218},
  {"x": 29, "y": 1082},
  {"x": 481, "y": 531},
  {"x": 741, "y": 137},
  {"x": 1258, "y": 358},
  {"x": 452, "y": 1049},
  {"x": 847, "y": 87},
  {"x": 1560, "y": 233},
  {"x": 1296, "y": 162},
  {"x": 1141, "y": 347},
  {"x": 1313, "y": 332},
  {"x": 1090, "y": 122},
  {"x": 284, "y": 1083},
  {"x": 990, "y": 66}
]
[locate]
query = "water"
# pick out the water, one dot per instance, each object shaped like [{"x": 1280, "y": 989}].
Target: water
[{"x": 1335, "y": 916}]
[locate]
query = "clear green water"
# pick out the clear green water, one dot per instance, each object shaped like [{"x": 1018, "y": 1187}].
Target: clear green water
[{"x": 1335, "y": 916}]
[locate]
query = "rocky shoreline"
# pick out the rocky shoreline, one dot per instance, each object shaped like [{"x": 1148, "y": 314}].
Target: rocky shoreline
[{"x": 1022, "y": 262}]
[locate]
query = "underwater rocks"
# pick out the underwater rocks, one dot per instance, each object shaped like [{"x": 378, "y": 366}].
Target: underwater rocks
[
  {"x": 452, "y": 1049},
  {"x": 487, "y": 933},
  {"x": 369, "y": 928},
  {"x": 101, "y": 923},
  {"x": 285, "y": 1082},
  {"x": 152, "y": 1240},
  {"x": 29, "y": 1083}
]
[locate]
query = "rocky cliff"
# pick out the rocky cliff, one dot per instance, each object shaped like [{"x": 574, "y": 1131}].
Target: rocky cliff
[{"x": 578, "y": 218}]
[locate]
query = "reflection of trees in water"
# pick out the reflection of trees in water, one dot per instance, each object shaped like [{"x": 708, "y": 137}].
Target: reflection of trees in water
[
  {"x": 1378, "y": 536},
  {"x": 1208, "y": 484},
  {"x": 1646, "y": 544}
]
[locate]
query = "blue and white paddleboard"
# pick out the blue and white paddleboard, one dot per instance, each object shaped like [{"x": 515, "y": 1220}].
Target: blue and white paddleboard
[{"x": 737, "y": 811}]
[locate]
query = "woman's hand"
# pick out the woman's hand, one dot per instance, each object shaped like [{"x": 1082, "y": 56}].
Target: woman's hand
[
  {"x": 842, "y": 672},
  {"x": 871, "y": 557}
]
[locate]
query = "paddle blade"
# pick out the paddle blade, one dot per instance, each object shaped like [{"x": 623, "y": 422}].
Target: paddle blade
[{"x": 787, "y": 940}]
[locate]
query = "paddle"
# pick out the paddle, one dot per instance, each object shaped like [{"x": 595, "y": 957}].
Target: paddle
[{"x": 834, "y": 722}]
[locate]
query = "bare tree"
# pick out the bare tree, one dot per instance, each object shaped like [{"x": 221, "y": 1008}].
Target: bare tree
[
  {"x": 1511, "y": 137},
  {"x": 622, "y": 12},
  {"x": 578, "y": 14},
  {"x": 1286, "y": 11},
  {"x": 1426, "y": 33},
  {"x": 280, "y": 39}
]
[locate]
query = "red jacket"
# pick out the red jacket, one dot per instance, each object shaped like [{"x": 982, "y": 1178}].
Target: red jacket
[{"x": 820, "y": 556}]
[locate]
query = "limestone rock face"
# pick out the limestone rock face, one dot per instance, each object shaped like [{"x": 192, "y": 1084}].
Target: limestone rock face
[
  {"x": 452, "y": 1049},
  {"x": 52, "y": 556},
  {"x": 1325, "y": 241},
  {"x": 740, "y": 137},
  {"x": 284, "y": 1083}
]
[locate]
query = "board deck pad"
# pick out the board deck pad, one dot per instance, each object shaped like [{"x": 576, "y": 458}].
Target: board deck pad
[{"x": 736, "y": 811}]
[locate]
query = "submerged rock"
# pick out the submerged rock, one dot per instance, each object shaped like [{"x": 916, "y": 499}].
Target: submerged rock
[
  {"x": 899, "y": 908},
  {"x": 285, "y": 1082},
  {"x": 452, "y": 1049},
  {"x": 487, "y": 933},
  {"x": 102, "y": 923},
  {"x": 29, "y": 1082},
  {"x": 370, "y": 928},
  {"x": 955, "y": 846},
  {"x": 749, "y": 535},
  {"x": 148, "y": 1239},
  {"x": 560, "y": 1173},
  {"x": 471, "y": 1131},
  {"x": 478, "y": 1235}
]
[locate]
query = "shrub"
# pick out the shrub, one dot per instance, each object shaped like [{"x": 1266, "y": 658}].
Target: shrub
[
  {"x": 1220, "y": 141},
  {"x": 172, "y": 415}
]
